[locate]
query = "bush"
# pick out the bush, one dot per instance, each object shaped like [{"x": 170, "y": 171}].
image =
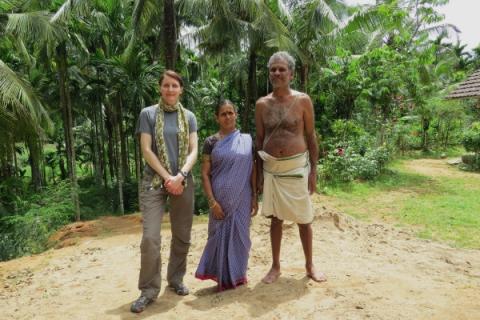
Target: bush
[
  {"x": 28, "y": 233},
  {"x": 471, "y": 162},
  {"x": 471, "y": 138},
  {"x": 405, "y": 136},
  {"x": 348, "y": 165},
  {"x": 96, "y": 201}
]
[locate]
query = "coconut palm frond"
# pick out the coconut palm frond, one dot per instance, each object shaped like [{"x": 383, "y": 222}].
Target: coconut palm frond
[
  {"x": 216, "y": 36},
  {"x": 34, "y": 27},
  {"x": 16, "y": 92},
  {"x": 321, "y": 12},
  {"x": 100, "y": 21},
  {"x": 143, "y": 12},
  {"x": 69, "y": 8},
  {"x": 280, "y": 10},
  {"x": 441, "y": 29},
  {"x": 283, "y": 42},
  {"x": 22, "y": 50},
  {"x": 200, "y": 8},
  {"x": 366, "y": 20}
]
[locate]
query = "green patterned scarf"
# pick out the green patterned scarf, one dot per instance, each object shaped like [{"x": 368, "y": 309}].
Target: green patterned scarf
[{"x": 183, "y": 139}]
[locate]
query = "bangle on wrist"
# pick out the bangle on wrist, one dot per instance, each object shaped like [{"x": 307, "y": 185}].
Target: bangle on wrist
[{"x": 213, "y": 206}]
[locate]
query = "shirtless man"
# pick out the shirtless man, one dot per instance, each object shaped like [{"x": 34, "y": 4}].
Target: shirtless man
[{"x": 287, "y": 161}]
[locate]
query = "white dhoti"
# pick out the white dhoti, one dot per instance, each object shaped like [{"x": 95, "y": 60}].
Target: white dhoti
[{"x": 285, "y": 188}]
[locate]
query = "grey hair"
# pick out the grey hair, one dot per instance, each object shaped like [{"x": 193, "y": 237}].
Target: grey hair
[{"x": 282, "y": 55}]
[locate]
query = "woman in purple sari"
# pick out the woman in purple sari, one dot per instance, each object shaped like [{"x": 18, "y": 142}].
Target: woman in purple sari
[{"x": 228, "y": 176}]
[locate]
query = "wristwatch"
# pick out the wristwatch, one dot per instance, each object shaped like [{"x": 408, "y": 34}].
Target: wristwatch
[{"x": 184, "y": 174}]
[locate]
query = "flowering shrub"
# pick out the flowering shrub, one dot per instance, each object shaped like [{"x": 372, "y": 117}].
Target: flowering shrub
[{"x": 347, "y": 164}]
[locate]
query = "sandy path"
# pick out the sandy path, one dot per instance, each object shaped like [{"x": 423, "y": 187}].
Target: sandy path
[
  {"x": 438, "y": 168},
  {"x": 375, "y": 271}
]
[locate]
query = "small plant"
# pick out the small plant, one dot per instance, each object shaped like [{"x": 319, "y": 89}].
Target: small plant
[
  {"x": 43, "y": 213},
  {"x": 471, "y": 142},
  {"x": 345, "y": 165},
  {"x": 471, "y": 138}
]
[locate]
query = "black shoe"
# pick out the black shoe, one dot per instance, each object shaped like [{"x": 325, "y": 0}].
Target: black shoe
[
  {"x": 140, "y": 304},
  {"x": 179, "y": 289}
]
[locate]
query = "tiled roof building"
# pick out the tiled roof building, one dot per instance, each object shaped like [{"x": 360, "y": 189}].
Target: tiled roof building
[{"x": 469, "y": 88}]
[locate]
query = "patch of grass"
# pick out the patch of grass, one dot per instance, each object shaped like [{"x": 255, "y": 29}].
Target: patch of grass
[
  {"x": 451, "y": 152},
  {"x": 440, "y": 208}
]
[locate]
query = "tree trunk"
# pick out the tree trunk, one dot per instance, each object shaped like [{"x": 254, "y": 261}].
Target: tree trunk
[
  {"x": 101, "y": 138},
  {"x": 169, "y": 28},
  {"x": 97, "y": 153},
  {"x": 251, "y": 91},
  {"x": 110, "y": 133},
  {"x": 8, "y": 161},
  {"x": 447, "y": 135},
  {"x": 123, "y": 141},
  {"x": 34, "y": 161},
  {"x": 425, "y": 127},
  {"x": 138, "y": 166},
  {"x": 157, "y": 48},
  {"x": 119, "y": 156},
  {"x": 138, "y": 153},
  {"x": 303, "y": 77},
  {"x": 66, "y": 105},
  {"x": 61, "y": 162},
  {"x": 15, "y": 162}
]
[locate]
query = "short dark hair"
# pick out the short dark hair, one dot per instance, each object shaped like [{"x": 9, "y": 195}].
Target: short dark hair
[
  {"x": 171, "y": 74},
  {"x": 223, "y": 102}
]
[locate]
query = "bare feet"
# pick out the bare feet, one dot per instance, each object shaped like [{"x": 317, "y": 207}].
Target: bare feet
[
  {"x": 316, "y": 275},
  {"x": 271, "y": 276}
]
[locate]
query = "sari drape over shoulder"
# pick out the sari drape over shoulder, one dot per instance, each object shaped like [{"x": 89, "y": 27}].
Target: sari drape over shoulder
[{"x": 226, "y": 253}]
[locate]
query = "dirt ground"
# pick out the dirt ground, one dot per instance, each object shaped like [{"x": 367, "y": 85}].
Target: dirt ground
[
  {"x": 374, "y": 270},
  {"x": 438, "y": 168}
]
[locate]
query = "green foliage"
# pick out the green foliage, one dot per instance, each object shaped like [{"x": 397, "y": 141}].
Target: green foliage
[
  {"x": 97, "y": 201},
  {"x": 201, "y": 202},
  {"x": 348, "y": 165},
  {"x": 352, "y": 154},
  {"x": 375, "y": 77},
  {"x": 471, "y": 138},
  {"x": 44, "y": 213},
  {"x": 441, "y": 208},
  {"x": 405, "y": 135},
  {"x": 471, "y": 142}
]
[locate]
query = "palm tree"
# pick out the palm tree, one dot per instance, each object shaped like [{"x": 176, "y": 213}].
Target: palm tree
[
  {"x": 51, "y": 34},
  {"x": 22, "y": 119},
  {"x": 320, "y": 26},
  {"x": 155, "y": 21},
  {"x": 223, "y": 27}
]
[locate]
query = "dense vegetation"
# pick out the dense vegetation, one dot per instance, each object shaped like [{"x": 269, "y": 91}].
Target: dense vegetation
[{"x": 75, "y": 74}]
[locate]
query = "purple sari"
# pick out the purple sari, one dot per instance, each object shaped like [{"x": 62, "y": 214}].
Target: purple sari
[{"x": 225, "y": 257}]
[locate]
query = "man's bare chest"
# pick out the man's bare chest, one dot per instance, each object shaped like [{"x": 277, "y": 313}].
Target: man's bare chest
[{"x": 287, "y": 117}]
